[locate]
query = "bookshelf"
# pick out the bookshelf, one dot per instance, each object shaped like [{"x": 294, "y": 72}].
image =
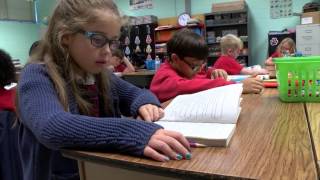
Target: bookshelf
[
  {"x": 218, "y": 24},
  {"x": 164, "y": 33}
]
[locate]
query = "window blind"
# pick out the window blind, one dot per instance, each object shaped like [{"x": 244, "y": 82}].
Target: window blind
[{"x": 20, "y": 10}]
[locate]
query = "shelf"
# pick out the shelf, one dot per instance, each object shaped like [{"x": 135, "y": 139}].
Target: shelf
[
  {"x": 222, "y": 23},
  {"x": 226, "y": 12},
  {"x": 216, "y": 43},
  {"x": 163, "y": 35},
  {"x": 213, "y": 43},
  {"x": 169, "y": 28},
  {"x": 229, "y": 24}
]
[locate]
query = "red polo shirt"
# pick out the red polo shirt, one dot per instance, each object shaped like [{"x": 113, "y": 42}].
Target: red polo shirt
[
  {"x": 167, "y": 83},
  {"x": 229, "y": 64}
]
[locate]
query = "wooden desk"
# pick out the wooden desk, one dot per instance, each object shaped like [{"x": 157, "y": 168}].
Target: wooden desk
[
  {"x": 141, "y": 79},
  {"x": 313, "y": 114},
  {"x": 271, "y": 141}
]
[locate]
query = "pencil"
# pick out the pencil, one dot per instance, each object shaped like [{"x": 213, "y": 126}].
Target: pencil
[{"x": 197, "y": 145}]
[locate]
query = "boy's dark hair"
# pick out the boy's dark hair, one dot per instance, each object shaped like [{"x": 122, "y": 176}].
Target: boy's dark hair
[
  {"x": 7, "y": 69},
  {"x": 186, "y": 43},
  {"x": 118, "y": 53}
]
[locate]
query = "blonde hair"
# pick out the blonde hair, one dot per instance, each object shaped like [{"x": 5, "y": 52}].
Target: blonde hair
[
  {"x": 69, "y": 17},
  {"x": 288, "y": 41},
  {"x": 230, "y": 41}
]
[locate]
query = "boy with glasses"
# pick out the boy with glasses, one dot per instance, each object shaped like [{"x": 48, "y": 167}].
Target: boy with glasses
[{"x": 188, "y": 53}]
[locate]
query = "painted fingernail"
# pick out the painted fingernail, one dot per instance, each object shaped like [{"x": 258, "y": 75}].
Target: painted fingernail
[
  {"x": 166, "y": 158},
  {"x": 188, "y": 156},
  {"x": 179, "y": 156}
]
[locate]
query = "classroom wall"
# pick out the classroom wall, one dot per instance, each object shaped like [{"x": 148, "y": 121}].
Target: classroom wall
[
  {"x": 161, "y": 8},
  {"x": 17, "y": 37},
  {"x": 260, "y": 22}
]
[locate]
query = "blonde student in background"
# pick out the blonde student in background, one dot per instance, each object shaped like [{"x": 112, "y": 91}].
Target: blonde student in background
[
  {"x": 285, "y": 48},
  {"x": 66, "y": 99},
  {"x": 231, "y": 46},
  {"x": 119, "y": 63},
  {"x": 188, "y": 53}
]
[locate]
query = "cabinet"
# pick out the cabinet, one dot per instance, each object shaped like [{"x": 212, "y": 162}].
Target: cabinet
[
  {"x": 222, "y": 23},
  {"x": 308, "y": 39},
  {"x": 137, "y": 42},
  {"x": 164, "y": 33}
]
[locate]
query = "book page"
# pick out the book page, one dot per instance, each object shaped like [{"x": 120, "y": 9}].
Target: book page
[
  {"x": 210, "y": 134},
  {"x": 219, "y": 105}
]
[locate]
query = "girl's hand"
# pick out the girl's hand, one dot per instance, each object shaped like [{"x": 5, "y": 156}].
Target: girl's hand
[
  {"x": 149, "y": 112},
  {"x": 269, "y": 62},
  {"x": 165, "y": 145},
  {"x": 219, "y": 73}
]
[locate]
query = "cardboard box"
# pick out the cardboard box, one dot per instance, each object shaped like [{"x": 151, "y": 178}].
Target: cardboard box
[
  {"x": 310, "y": 18},
  {"x": 229, "y": 6}
]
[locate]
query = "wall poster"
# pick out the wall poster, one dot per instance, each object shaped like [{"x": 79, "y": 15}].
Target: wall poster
[
  {"x": 141, "y": 4},
  {"x": 280, "y": 8}
]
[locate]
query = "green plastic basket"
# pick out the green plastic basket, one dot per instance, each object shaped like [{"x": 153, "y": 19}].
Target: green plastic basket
[{"x": 298, "y": 78}]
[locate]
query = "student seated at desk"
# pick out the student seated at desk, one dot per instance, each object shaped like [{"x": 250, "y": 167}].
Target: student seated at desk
[
  {"x": 230, "y": 50},
  {"x": 66, "y": 99},
  {"x": 120, "y": 63},
  {"x": 285, "y": 48},
  {"x": 7, "y": 85},
  {"x": 187, "y": 53}
]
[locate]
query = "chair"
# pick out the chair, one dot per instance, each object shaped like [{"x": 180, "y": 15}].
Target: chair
[{"x": 10, "y": 163}]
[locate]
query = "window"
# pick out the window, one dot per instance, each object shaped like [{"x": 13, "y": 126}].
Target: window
[{"x": 19, "y": 10}]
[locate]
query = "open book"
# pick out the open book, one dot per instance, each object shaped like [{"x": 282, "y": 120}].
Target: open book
[{"x": 208, "y": 117}]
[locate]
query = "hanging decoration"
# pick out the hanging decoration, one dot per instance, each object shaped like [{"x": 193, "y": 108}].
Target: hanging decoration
[
  {"x": 137, "y": 41},
  {"x": 148, "y": 41}
]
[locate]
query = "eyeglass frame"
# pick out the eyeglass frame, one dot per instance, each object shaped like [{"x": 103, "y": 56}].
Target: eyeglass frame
[
  {"x": 194, "y": 68},
  {"x": 90, "y": 35}
]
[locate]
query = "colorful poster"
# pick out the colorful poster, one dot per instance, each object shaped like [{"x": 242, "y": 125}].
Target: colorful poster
[
  {"x": 140, "y": 4},
  {"x": 280, "y": 8}
]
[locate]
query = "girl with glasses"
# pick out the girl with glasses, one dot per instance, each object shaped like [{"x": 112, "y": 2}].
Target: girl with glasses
[
  {"x": 286, "y": 47},
  {"x": 66, "y": 99}
]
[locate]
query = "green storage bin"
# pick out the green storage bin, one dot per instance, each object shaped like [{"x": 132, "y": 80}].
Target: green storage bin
[{"x": 298, "y": 78}]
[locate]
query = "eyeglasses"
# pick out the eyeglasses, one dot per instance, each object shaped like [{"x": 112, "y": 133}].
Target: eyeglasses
[
  {"x": 193, "y": 67},
  {"x": 99, "y": 40}
]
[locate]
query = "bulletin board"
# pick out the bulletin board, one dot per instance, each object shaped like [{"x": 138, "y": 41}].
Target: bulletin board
[{"x": 280, "y": 8}]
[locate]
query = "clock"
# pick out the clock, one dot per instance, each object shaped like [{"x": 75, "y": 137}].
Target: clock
[{"x": 183, "y": 19}]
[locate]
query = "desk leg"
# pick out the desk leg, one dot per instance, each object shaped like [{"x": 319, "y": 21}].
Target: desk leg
[
  {"x": 81, "y": 170},
  {"x": 90, "y": 171}
]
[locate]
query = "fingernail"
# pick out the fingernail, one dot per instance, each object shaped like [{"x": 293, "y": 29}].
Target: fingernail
[
  {"x": 166, "y": 158},
  {"x": 188, "y": 156},
  {"x": 179, "y": 156}
]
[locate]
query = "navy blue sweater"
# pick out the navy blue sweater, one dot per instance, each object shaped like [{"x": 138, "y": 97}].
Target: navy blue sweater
[{"x": 46, "y": 127}]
